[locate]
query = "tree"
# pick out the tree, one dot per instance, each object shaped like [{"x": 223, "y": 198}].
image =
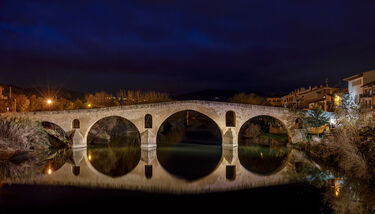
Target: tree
[
  {"x": 136, "y": 97},
  {"x": 22, "y": 103},
  {"x": 99, "y": 99},
  {"x": 78, "y": 104},
  {"x": 317, "y": 117},
  {"x": 64, "y": 104},
  {"x": 248, "y": 99}
]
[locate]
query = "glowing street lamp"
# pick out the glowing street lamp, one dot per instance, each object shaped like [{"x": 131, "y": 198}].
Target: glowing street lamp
[
  {"x": 49, "y": 103},
  {"x": 89, "y": 105}
]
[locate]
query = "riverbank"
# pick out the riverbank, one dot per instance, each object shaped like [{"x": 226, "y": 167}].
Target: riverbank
[
  {"x": 351, "y": 153},
  {"x": 19, "y": 135}
]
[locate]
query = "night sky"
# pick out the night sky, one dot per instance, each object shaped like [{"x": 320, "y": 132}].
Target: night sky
[{"x": 184, "y": 46}]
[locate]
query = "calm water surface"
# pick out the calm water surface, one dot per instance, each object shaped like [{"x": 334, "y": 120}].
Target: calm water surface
[{"x": 180, "y": 174}]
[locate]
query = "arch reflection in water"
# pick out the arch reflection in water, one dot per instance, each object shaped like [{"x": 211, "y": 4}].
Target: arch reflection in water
[
  {"x": 114, "y": 146},
  {"x": 263, "y": 160},
  {"x": 189, "y": 145},
  {"x": 57, "y": 160}
]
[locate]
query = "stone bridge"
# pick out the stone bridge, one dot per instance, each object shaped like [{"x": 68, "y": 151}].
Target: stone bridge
[{"x": 82, "y": 120}]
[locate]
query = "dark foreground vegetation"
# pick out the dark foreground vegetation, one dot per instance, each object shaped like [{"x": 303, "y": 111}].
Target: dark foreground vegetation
[
  {"x": 20, "y": 137},
  {"x": 348, "y": 152}
]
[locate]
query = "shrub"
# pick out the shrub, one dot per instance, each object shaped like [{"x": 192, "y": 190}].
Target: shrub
[{"x": 22, "y": 134}]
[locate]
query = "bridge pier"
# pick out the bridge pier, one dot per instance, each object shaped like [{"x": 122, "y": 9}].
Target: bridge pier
[
  {"x": 77, "y": 157},
  {"x": 230, "y": 139},
  {"x": 148, "y": 156},
  {"x": 230, "y": 155},
  {"x": 148, "y": 140},
  {"x": 78, "y": 154},
  {"x": 78, "y": 140}
]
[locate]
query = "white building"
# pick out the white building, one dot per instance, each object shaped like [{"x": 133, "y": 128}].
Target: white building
[{"x": 360, "y": 86}]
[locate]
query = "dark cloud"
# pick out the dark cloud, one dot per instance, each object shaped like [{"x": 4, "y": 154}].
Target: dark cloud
[{"x": 182, "y": 46}]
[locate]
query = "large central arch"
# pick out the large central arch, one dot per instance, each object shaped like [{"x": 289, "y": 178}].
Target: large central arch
[{"x": 189, "y": 145}]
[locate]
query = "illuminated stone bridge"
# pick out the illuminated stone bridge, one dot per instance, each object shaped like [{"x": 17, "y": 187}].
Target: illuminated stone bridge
[{"x": 148, "y": 118}]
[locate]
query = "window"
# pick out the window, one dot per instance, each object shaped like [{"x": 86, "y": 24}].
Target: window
[
  {"x": 230, "y": 119},
  {"x": 76, "y": 124},
  {"x": 148, "y": 121}
]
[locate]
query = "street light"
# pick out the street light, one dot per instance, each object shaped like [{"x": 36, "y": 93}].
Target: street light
[
  {"x": 49, "y": 103},
  {"x": 89, "y": 105}
]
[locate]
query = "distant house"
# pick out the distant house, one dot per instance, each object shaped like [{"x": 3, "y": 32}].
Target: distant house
[
  {"x": 275, "y": 101},
  {"x": 361, "y": 87},
  {"x": 324, "y": 97}
]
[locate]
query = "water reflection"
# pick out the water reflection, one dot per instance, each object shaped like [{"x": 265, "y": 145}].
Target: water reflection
[
  {"x": 346, "y": 195},
  {"x": 56, "y": 160},
  {"x": 114, "y": 161},
  {"x": 263, "y": 160},
  {"x": 189, "y": 161},
  {"x": 189, "y": 145}
]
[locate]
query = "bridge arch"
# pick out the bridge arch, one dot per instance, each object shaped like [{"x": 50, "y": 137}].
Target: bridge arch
[
  {"x": 198, "y": 135},
  {"x": 194, "y": 111},
  {"x": 55, "y": 128},
  {"x": 114, "y": 146},
  {"x": 282, "y": 122},
  {"x": 112, "y": 121},
  {"x": 96, "y": 120}
]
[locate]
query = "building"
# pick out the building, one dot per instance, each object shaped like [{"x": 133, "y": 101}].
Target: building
[
  {"x": 275, "y": 101},
  {"x": 324, "y": 97},
  {"x": 361, "y": 87}
]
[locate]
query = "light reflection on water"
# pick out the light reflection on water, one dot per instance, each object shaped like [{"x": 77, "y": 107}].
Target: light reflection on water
[
  {"x": 179, "y": 168},
  {"x": 131, "y": 168},
  {"x": 114, "y": 161}
]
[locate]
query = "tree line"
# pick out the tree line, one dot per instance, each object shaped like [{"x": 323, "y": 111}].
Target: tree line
[{"x": 30, "y": 103}]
